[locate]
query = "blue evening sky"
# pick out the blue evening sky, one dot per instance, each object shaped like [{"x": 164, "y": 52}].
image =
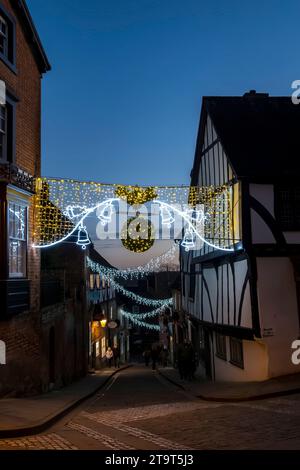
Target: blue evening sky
[{"x": 122, "y": 102}]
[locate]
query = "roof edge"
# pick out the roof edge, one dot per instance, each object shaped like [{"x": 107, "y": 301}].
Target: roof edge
[{"x": 43, "y": 59}]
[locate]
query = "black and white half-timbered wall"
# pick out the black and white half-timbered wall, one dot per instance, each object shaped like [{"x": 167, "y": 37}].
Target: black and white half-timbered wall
[{"x": 244, "y": 304}]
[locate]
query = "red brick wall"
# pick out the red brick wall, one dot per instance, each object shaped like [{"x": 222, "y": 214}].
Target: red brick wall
[{"x": 22, "y": 334}]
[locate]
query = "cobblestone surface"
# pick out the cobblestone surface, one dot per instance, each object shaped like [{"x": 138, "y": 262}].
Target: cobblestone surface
[
  {"x": 139, "y": 410},
  {"x": 47, "y": 441}
]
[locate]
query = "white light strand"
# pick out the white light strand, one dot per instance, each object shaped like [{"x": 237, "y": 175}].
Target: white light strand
[
  {"x": 142, "y": 324},
  {"x": 134, "y": 273},
  {"x": 150, "y": 314},
  {"x": 137, "y": 298}
]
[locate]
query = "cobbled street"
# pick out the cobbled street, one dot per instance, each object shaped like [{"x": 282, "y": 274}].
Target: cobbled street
[{"x": 138, "y": 409}]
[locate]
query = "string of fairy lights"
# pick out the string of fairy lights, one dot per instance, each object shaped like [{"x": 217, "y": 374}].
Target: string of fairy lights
[
  {"x": 96, "y": 268},
  {"x": 153, "y": 265},
  {"x": 133, "y": 319}
]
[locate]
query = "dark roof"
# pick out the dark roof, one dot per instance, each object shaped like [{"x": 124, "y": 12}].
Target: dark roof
[
  {"x": 22, "y": 9},
  {"x": 259, "y": 134}
]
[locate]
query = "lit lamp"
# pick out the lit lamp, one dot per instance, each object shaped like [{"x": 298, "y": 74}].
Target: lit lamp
[{"x": 103, "y": 322}]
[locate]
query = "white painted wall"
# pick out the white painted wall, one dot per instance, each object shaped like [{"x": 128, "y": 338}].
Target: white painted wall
[
  {"x": 260, "y": 230},
  {"x": 255, "y": 364},
  {"x": 278, "y": 310},
  {"x": 264, "y": 193}
]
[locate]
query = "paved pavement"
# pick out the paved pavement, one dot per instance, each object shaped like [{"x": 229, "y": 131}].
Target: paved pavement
[
  {"x": 138, "y": 409},
  {"x": 22, "y": 416},
  {"x": 235, "y": 391}
]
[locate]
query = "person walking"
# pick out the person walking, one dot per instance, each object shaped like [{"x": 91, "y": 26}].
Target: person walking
[
  {"x": 154, "y": 355},
  {"x": 147, "y": 355},
  {"x": 109, "y": 356},
  {"x": 116, "y": 353}
]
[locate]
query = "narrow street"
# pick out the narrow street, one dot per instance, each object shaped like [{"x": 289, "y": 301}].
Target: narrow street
[{"x": 138, "y": 409}]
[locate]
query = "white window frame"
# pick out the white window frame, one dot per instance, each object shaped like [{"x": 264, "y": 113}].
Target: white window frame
[{"x": 24, "y": 204}]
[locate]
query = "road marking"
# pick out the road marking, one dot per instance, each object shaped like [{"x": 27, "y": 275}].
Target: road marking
[
  {"x": 111, "y": 383},
  {"x": 109, "y": 442},
  {"x": 153, "y": 411},
  {"x": 139, "y": 433}
]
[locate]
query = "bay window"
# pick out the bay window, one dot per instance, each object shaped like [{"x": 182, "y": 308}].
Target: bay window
[{"x": 17, "y": 239}]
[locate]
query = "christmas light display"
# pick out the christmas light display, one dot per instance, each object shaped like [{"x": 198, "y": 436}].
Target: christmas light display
[
  {"x": 137, "y": 322},
  {"x": 82, "y": 237},
  {"x": 137, "y": 298},
  {"x": 155, "y": 264},
  {"x": 152, "y": 313},
  {"x": 138, "y": 234},
  {"x": 62, "y": 205}
]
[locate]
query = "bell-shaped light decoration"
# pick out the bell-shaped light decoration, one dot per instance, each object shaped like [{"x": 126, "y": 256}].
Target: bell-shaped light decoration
[
  {"x": 166, "y": 216},
  {"x": 106, "y": 214},
  {"x": 188, "y": 241},
  {"x": 83, "y": 238}
]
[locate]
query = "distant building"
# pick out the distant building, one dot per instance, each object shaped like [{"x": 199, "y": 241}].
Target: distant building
[
  {"x": 107, "y": 327},
  {"x": 64, "y": 314},
  {"x": 22, "y": 65},
  {"x": 244, "y": 305}
]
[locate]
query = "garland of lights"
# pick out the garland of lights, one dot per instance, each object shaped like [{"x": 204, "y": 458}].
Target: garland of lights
[
  {"x": 152, "y": 313},
  {"x": 137, "y": 298},
  {"x": 134, "y": 273},
  {"x": 149, "y": 326},
  {"x": 55, "y": 219}
]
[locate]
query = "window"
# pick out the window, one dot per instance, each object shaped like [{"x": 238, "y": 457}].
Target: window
[
  {"x": 92, "y": 281},
  {"x": 17, "y": 234},
  {"x": 221, "y": 346},
  {"x": 7, "y": 130},
  {"x": 236, "y": 352},
  {"x": 287, "y": 207},
  {"x": 3, "y": 37},
  {"x": 103, "y": 346},
  {"x": 7, "y": 38},
  {"x": 3, "y": 134}
]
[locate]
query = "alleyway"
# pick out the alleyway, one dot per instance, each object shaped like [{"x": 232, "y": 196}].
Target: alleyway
[{"x": 138, "y": 409}]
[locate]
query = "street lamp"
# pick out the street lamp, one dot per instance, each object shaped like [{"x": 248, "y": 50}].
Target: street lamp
[{"x": 103, "y": 322}]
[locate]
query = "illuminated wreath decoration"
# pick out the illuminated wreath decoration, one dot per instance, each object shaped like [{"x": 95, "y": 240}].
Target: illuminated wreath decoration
[{"x": 138, "y": 234}]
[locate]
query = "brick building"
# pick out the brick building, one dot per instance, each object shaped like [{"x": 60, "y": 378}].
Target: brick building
[{"x": 22, "y": 65}]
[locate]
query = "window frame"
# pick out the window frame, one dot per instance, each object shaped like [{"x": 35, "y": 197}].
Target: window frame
[
  {"x": 221, "y": 352},
  {"x": 9, "y": 58},
  {"x": 24, "y": 204},
  {"x": 10, "y": 130},
  {"x": 233, "y": 360}
]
